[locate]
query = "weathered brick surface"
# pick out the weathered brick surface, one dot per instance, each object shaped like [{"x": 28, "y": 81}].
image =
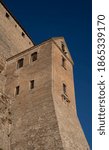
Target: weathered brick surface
[
  {"x": 34, "y": 123},
  {"x": 39, "y": 118},
  {"x": 11, "y": 39},
  {"x": 5, "y": 121},
  {"x": 70, "y": 130}
]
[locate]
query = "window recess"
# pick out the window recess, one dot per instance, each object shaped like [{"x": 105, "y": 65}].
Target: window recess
[
  {"x": 64, "y": 89},
  {"x": 34, "y": 56},
  {"x": 17, "y": 90},
  {"x": 63, "y": 48},
  {"x": 63, "y": 62},
  {"x": 20, "y": 63},
  {"x": 32, "y": 84},
  {"x": 64, "y": 95}
]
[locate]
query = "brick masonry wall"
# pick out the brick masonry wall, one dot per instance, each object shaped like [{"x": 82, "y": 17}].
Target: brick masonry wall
[
  {"x": 34, "y": 123},
  {"x": 71, "y": 132},
  {"x": 5, "y": 121},
  {"x": 39, "y": 118},
  {"x": 11, "y": 39}
]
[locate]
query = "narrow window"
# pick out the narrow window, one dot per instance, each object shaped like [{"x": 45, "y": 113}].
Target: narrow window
[
  {"x": 7, "y": 15},
  {"x": 64, "y": 88},
  {"x": 64, "y": 94},
  {"x": 63, "y": 62},
  {"x": 34, "y": 56},
  {"x": 32, "y": 84},
  {"x": 20, "y": 63},
  {"x": 63, "y": 46},
  {"x": 17, "y": 90},
  {"x": 23, "y": 34}
]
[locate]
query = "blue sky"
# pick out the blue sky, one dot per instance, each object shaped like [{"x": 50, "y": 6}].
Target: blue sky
[{"x": 71, "y": 19}]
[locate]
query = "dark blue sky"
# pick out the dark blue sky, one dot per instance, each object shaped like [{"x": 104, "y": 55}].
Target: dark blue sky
[{"x": 71, "y": 19}]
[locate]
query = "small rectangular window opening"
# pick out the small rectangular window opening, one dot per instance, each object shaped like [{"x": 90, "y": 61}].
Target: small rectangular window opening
[
  {"x": 64, "y": 88},
  {"x": 20, "y": 63},
  {"x": 17, "y": 90},
  {"x": 34, "y": 56},
  {"x": 32, "y": 84},
  {"x": 63, "y": 47},
  {"x": 64, "y": 62},
  {"x": 7, "y": 15}
]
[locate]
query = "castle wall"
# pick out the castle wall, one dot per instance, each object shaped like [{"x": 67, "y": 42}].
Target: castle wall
[
  {"x": 38, "y": 118},
  {"x": 2, "y": 82},
  {"x": 2, "y": 77},
  {"x": 58, "y": 42},
  {"x": 34, "y": 123},
  {"x": 11, "y": 39},
  {"x": 71, "y": 132},
  {"x": 5, "y": 121}
]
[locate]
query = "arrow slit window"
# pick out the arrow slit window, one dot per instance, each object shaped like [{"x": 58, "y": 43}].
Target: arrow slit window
[{"x": 63, "y": 62}]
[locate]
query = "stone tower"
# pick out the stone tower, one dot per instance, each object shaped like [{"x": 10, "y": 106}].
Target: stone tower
[{"x": 37, "y": 99}]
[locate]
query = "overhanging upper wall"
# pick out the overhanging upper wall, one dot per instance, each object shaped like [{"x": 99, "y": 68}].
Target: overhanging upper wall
[{"x": 13, "y": 39}]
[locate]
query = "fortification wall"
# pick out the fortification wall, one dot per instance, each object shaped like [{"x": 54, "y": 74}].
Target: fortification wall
[
  {"x": 34, "y": 123},
  {"x": 12, "y": 37},
  {"x": 5, "y": 121},
  {"x": 71, "y": 132},
  {"x": 13, "y": 40}
]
